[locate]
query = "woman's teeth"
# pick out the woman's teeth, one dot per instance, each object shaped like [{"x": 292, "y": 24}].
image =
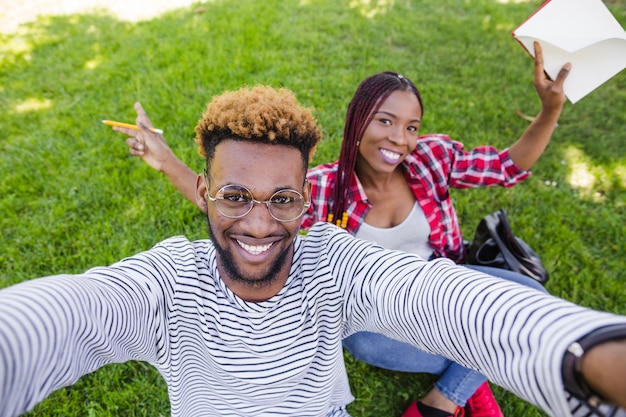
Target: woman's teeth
[{"x": 392, "y": 156}]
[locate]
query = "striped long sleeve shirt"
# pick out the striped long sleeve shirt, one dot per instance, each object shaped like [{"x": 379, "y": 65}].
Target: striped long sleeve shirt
[{"x": 223, "y": 356}]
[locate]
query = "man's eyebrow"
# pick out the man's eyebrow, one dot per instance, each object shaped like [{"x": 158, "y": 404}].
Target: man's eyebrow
[{"x": 269, "y": 193}]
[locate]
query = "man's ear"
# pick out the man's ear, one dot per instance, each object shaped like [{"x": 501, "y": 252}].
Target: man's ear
[
  {"x": 201, "y": 193},
  {"x": 307, "y": 190}
]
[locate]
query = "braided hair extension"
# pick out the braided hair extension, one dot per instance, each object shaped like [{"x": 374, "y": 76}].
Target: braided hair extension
[{"x": 369, "y": 96}]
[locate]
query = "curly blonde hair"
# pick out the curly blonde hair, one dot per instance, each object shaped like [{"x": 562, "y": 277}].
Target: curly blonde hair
[{"x": 258, "y": 114}]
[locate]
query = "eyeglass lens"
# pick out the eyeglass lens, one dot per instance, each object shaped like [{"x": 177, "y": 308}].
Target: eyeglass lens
[{"x": 237, "y": 201}]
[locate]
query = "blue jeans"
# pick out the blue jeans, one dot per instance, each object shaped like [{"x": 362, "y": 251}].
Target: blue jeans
[{"x": 455, "y": 382}]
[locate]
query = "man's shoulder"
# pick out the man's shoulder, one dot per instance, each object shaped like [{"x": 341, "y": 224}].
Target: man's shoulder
[
  {"x": 179, "y": 260},
  {"x": 179, "y": 241},
  {"x": 181, "y": 246},
  {"x": 321, "y": 229},
  {"x": 321, "y": 236}
]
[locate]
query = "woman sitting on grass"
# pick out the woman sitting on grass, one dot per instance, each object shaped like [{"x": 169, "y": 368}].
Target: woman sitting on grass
[{"x": 390, "y": 185}]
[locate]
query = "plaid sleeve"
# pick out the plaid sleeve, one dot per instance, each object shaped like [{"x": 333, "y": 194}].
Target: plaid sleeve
[{"x": 481, "y": 167}]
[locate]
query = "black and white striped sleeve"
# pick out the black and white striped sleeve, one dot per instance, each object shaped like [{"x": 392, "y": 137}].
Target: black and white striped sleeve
[
  {"x": 513, "y": 334},
  {"x": 56, "y": 329}
]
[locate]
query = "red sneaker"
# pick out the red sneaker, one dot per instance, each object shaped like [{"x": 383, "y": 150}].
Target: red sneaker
[
  {"x": 412, "y": 411},
  {"x": 482, "y": 403}
]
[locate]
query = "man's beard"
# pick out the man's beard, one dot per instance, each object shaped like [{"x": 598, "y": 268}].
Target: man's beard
[{"x": 233, "y": 272}]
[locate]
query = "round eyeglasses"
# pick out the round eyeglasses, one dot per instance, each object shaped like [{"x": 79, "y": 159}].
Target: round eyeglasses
[{"x": 236, "y": 201}]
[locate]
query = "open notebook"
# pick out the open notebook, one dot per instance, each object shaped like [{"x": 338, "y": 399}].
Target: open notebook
[{"x": 583, "y": 32}]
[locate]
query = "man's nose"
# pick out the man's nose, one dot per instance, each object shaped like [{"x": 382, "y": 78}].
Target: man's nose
[{"x": 259, "y": 220}]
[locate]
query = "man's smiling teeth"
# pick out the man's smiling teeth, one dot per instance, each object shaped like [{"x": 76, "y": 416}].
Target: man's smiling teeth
[
  {"x": 390, "y": 155},
  {"x": 255, "y": 250}
]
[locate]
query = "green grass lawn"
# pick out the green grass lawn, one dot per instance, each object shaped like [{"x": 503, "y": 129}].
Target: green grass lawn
[{"x": 71, "y": 197}]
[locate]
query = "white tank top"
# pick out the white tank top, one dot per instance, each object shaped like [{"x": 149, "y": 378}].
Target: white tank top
[{"x": 412, "y": 235}]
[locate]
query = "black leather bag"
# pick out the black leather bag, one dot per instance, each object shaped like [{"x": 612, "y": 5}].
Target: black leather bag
[{"x": 495, "y": 245}]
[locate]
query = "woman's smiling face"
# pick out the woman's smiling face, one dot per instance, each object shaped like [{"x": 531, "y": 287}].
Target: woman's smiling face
[{"x": 392, "y": 134}]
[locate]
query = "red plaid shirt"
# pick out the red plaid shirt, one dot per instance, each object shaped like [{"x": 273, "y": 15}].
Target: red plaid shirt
[{"x": 437, "y": 164}]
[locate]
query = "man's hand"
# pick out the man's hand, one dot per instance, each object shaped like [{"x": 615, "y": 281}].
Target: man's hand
[{"x": 604, "y": 369}]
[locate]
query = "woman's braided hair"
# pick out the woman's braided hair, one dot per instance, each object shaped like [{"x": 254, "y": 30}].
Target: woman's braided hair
[{"x": 369, "y": 96}]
